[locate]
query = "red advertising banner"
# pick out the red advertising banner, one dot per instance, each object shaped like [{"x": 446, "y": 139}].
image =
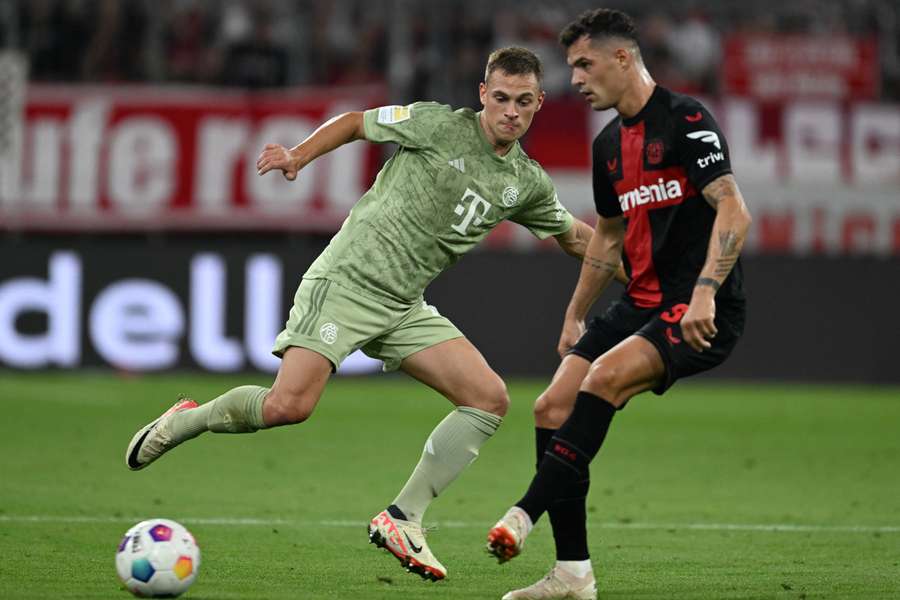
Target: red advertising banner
[
  {"x": 821, "y": 177},
  {"x": 118, "y": 157},
  {"x": 782, "y": 67}
]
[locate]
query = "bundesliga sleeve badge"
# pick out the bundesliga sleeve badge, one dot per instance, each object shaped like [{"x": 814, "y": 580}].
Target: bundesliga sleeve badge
[{"x": 389, "y": 115}]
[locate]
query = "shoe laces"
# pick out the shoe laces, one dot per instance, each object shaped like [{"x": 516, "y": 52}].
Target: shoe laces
[{"x": 419, "y": 531}]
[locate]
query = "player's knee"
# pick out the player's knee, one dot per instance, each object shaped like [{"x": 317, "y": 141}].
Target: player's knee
[
  {"x": 283, "y": 408},
  {"x": 606, "y": 381},
  {"x": 493, "y": 397},
  {"x": 551, "y": 410}
]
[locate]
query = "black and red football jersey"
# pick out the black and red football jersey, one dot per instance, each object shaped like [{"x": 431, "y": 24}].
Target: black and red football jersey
[{"x": 651, "y": 169}]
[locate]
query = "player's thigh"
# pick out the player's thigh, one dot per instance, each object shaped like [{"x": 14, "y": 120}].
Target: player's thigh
[
  {"x": 631, "y": 367},
  {"x": 554, "y": 405},
  {"x": 456, "y": 369},
  {"x": 430, "y": 348},
  {"x": 604, "y": 332},
  {"x": 680, "y": 360}
]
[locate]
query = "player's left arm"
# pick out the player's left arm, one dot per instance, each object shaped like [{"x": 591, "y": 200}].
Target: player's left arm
[{"x": 729, "y": 231}]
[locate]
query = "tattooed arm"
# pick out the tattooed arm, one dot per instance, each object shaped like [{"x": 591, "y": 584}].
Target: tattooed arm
[
  {"x": 574, "y": 242},
  {"x": 602, "y": 261},
  {"x": 725, "y": 242}
]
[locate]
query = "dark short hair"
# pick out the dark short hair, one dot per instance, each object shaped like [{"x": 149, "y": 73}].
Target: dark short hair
[
  {"x": 514, "y": 60},
  {"x": 598, "y": 24}
]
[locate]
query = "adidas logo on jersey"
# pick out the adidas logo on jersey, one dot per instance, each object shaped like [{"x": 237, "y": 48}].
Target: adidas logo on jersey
[
  {"x": 657, "y": 192},
  {"x": 459, "y": 164}
]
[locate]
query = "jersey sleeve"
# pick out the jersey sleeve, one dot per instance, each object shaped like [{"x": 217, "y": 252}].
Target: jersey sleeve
[
  {"x": 544, "y": 215},
  {"x": 605, "y": 198},
  {"x": 410, "y": 126},
  {"x": 701, "y": 145}
]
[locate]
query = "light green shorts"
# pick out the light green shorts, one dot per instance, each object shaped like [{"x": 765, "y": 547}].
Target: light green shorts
[{"x": 335, "y": 321}]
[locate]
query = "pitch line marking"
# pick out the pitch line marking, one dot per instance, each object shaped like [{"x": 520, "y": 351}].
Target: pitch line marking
[{"x": 250, "y": 521}]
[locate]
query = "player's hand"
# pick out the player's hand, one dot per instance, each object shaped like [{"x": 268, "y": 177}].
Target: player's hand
[
  {"x": 572, "y": 331},
  {"x": 697, "y": 326},
  {"x": 276, "y": 156}
]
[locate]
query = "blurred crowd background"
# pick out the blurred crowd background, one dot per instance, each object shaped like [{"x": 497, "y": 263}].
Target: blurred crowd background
[{"x": 432, "y": 49}]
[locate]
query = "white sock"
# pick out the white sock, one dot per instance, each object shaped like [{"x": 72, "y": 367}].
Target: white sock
[
  {"x": 578, "y": 568},
  {"x": 528, "y": 524}
]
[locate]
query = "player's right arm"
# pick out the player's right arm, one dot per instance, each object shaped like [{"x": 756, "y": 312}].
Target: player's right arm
[
  {"x": 335, "y": 132},
  {"x": 602, "y": 261}
]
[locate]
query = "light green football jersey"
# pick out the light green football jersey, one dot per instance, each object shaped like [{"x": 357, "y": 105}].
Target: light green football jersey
[{"x": 440, "y": 194}]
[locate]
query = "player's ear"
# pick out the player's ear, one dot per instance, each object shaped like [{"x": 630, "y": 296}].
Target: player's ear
[
  {"x": 624, "y": 58},
  {"x": 540, "y": 100},
  {"x": 482, "y": 93}
]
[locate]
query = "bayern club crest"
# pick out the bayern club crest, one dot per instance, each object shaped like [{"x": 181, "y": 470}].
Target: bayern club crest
[{"x": 510, "y": 196}]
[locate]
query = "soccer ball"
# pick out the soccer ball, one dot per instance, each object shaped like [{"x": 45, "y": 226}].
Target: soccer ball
[{"x": 158, "y": 558}]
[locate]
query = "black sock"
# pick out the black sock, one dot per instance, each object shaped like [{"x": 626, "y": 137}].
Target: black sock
[
  {"x": 395, "y": 512},
  {"x": 542, "y": 437},
  {"x": 568, "y": 515},
  {"x": 566, "y": 460}
]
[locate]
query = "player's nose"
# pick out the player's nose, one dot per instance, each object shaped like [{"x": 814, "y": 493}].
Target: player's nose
[{"x": 577, "y": 80}]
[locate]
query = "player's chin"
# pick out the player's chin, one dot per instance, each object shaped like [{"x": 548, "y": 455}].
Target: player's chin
[
  {"x": 600, "y": 103},
  {"x": 507, "y": 137}
]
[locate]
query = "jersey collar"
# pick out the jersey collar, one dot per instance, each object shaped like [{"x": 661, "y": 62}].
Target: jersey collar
[{"x": 642, "y": 114}]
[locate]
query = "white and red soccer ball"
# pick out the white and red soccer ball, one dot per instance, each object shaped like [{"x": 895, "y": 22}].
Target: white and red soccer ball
[{"x": 158, "y": 558}]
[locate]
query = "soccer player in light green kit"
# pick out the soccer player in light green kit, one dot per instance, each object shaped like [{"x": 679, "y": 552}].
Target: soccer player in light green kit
[{"x": 456, "y": 175}]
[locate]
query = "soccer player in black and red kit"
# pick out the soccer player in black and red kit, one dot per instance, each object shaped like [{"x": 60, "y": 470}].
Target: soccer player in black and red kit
[{"x": 669, "y": 206}]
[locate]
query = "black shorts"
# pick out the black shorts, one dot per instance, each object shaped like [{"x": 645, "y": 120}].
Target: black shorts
[{"x": 661, "y": 326}]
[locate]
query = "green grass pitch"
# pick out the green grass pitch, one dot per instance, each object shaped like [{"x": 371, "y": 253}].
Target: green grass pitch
[{"x": 713, "y": 491}]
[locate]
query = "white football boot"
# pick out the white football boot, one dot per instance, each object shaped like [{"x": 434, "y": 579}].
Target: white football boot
[
  {"x": 558, "y": 584},
  {"x": 154, "y": 439},
  {"x": 506, "y": 538},
  {"x": 406, "y": 541}
]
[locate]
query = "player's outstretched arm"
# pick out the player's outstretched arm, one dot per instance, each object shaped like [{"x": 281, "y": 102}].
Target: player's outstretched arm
[
  {"x": 725, "y": 243},
  {"x": 335, "y": 132},
  {"x": 574, "y": 242},
  {"x": 602, "y": 260}
]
